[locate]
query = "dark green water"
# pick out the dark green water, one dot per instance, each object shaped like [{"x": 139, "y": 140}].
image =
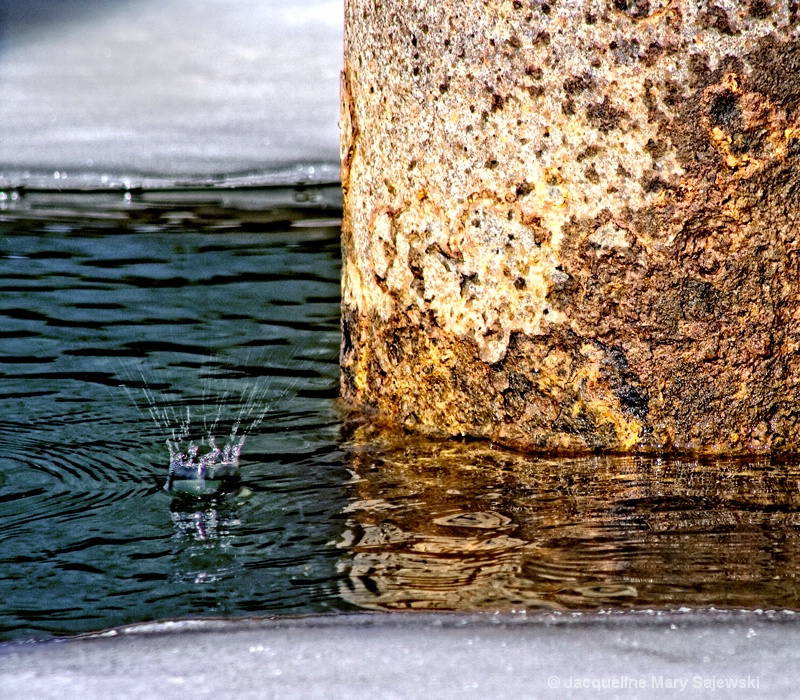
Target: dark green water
[
  {"x": 189, "y": 296},
  {"x": 201, "y": 301}
]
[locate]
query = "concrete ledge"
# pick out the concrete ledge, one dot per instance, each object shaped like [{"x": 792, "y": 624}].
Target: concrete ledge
[
  {"x": 640, "y": 654},
  {"x": 154, "y": 92}
]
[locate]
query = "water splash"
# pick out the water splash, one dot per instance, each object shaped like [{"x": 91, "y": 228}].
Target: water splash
[
  {"x": 204, "y": 449},
  {"x": 206, "y": 474}
]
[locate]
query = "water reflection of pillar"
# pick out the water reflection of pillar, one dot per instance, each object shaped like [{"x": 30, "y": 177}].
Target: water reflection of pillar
[{"x": 463, "y": 526}]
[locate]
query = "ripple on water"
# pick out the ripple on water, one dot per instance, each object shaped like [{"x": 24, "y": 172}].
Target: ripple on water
[
  {"x": 158, "y": 298},
  {"x": 586, "y": 533},
  {"x": 89, "y": 537}
]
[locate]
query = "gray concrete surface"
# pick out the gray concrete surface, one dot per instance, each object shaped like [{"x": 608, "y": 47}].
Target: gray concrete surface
[
  {"x": 166, "y": 91},
  {"x": 625, "y": 655}
]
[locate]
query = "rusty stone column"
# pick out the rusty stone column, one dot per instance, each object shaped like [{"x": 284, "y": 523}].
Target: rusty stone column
[{"x": 574, "y": 225}]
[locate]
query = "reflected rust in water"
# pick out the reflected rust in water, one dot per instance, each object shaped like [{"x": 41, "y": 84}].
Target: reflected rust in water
[{"x": 466, "y": 526}]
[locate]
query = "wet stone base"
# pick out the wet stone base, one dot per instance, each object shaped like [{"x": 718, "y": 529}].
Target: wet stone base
[{"x": 574, "y": 227}]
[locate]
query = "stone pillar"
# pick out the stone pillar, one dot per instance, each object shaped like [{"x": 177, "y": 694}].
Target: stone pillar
[{"x": 574, "y": 225}]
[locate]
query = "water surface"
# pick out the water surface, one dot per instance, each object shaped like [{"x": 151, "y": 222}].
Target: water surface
[
  {"x": 195, "y": 297},
  {"x": 465, "y": 526},
  {"x": 200, "y": 301}
]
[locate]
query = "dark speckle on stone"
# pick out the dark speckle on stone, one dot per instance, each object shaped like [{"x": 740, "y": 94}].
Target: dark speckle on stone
[
  {"x": 604, "y": 116},
  {"x": 698, "y": 299},
  {"x": 625, "y": 383},
  {"x": 776, "y": 71},
  {"x": 656, "y": 149},
  {"x": 653, "y": 53},
  {"x": 699, "y": 71},
  {"x": 578, "y": 83},
  {"x": 634, "y": 8},
  {"x": 497, "y": 101},
  {"x": 523, "y": 188},
  {"x": 715, "y": 17},
  {"x": 535, "y": 72},
  {"x": 654, "y": 184},
  {"x": 724, "y": 110},
  {"x": 588, "y": 152},
  {"x": 759, "y": 9}
]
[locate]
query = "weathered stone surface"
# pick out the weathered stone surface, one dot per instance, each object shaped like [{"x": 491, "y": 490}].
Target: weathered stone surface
[{"x": 571, "y": 225}]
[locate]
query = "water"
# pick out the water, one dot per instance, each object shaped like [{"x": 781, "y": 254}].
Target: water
[
  {"x": 214, "y": 309},
  {"x": 463, "y": 526},
  {"x": 199, "y": 298}
]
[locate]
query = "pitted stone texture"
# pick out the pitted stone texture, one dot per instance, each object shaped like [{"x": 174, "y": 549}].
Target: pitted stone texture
[{"x": 571, "y": 225}]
